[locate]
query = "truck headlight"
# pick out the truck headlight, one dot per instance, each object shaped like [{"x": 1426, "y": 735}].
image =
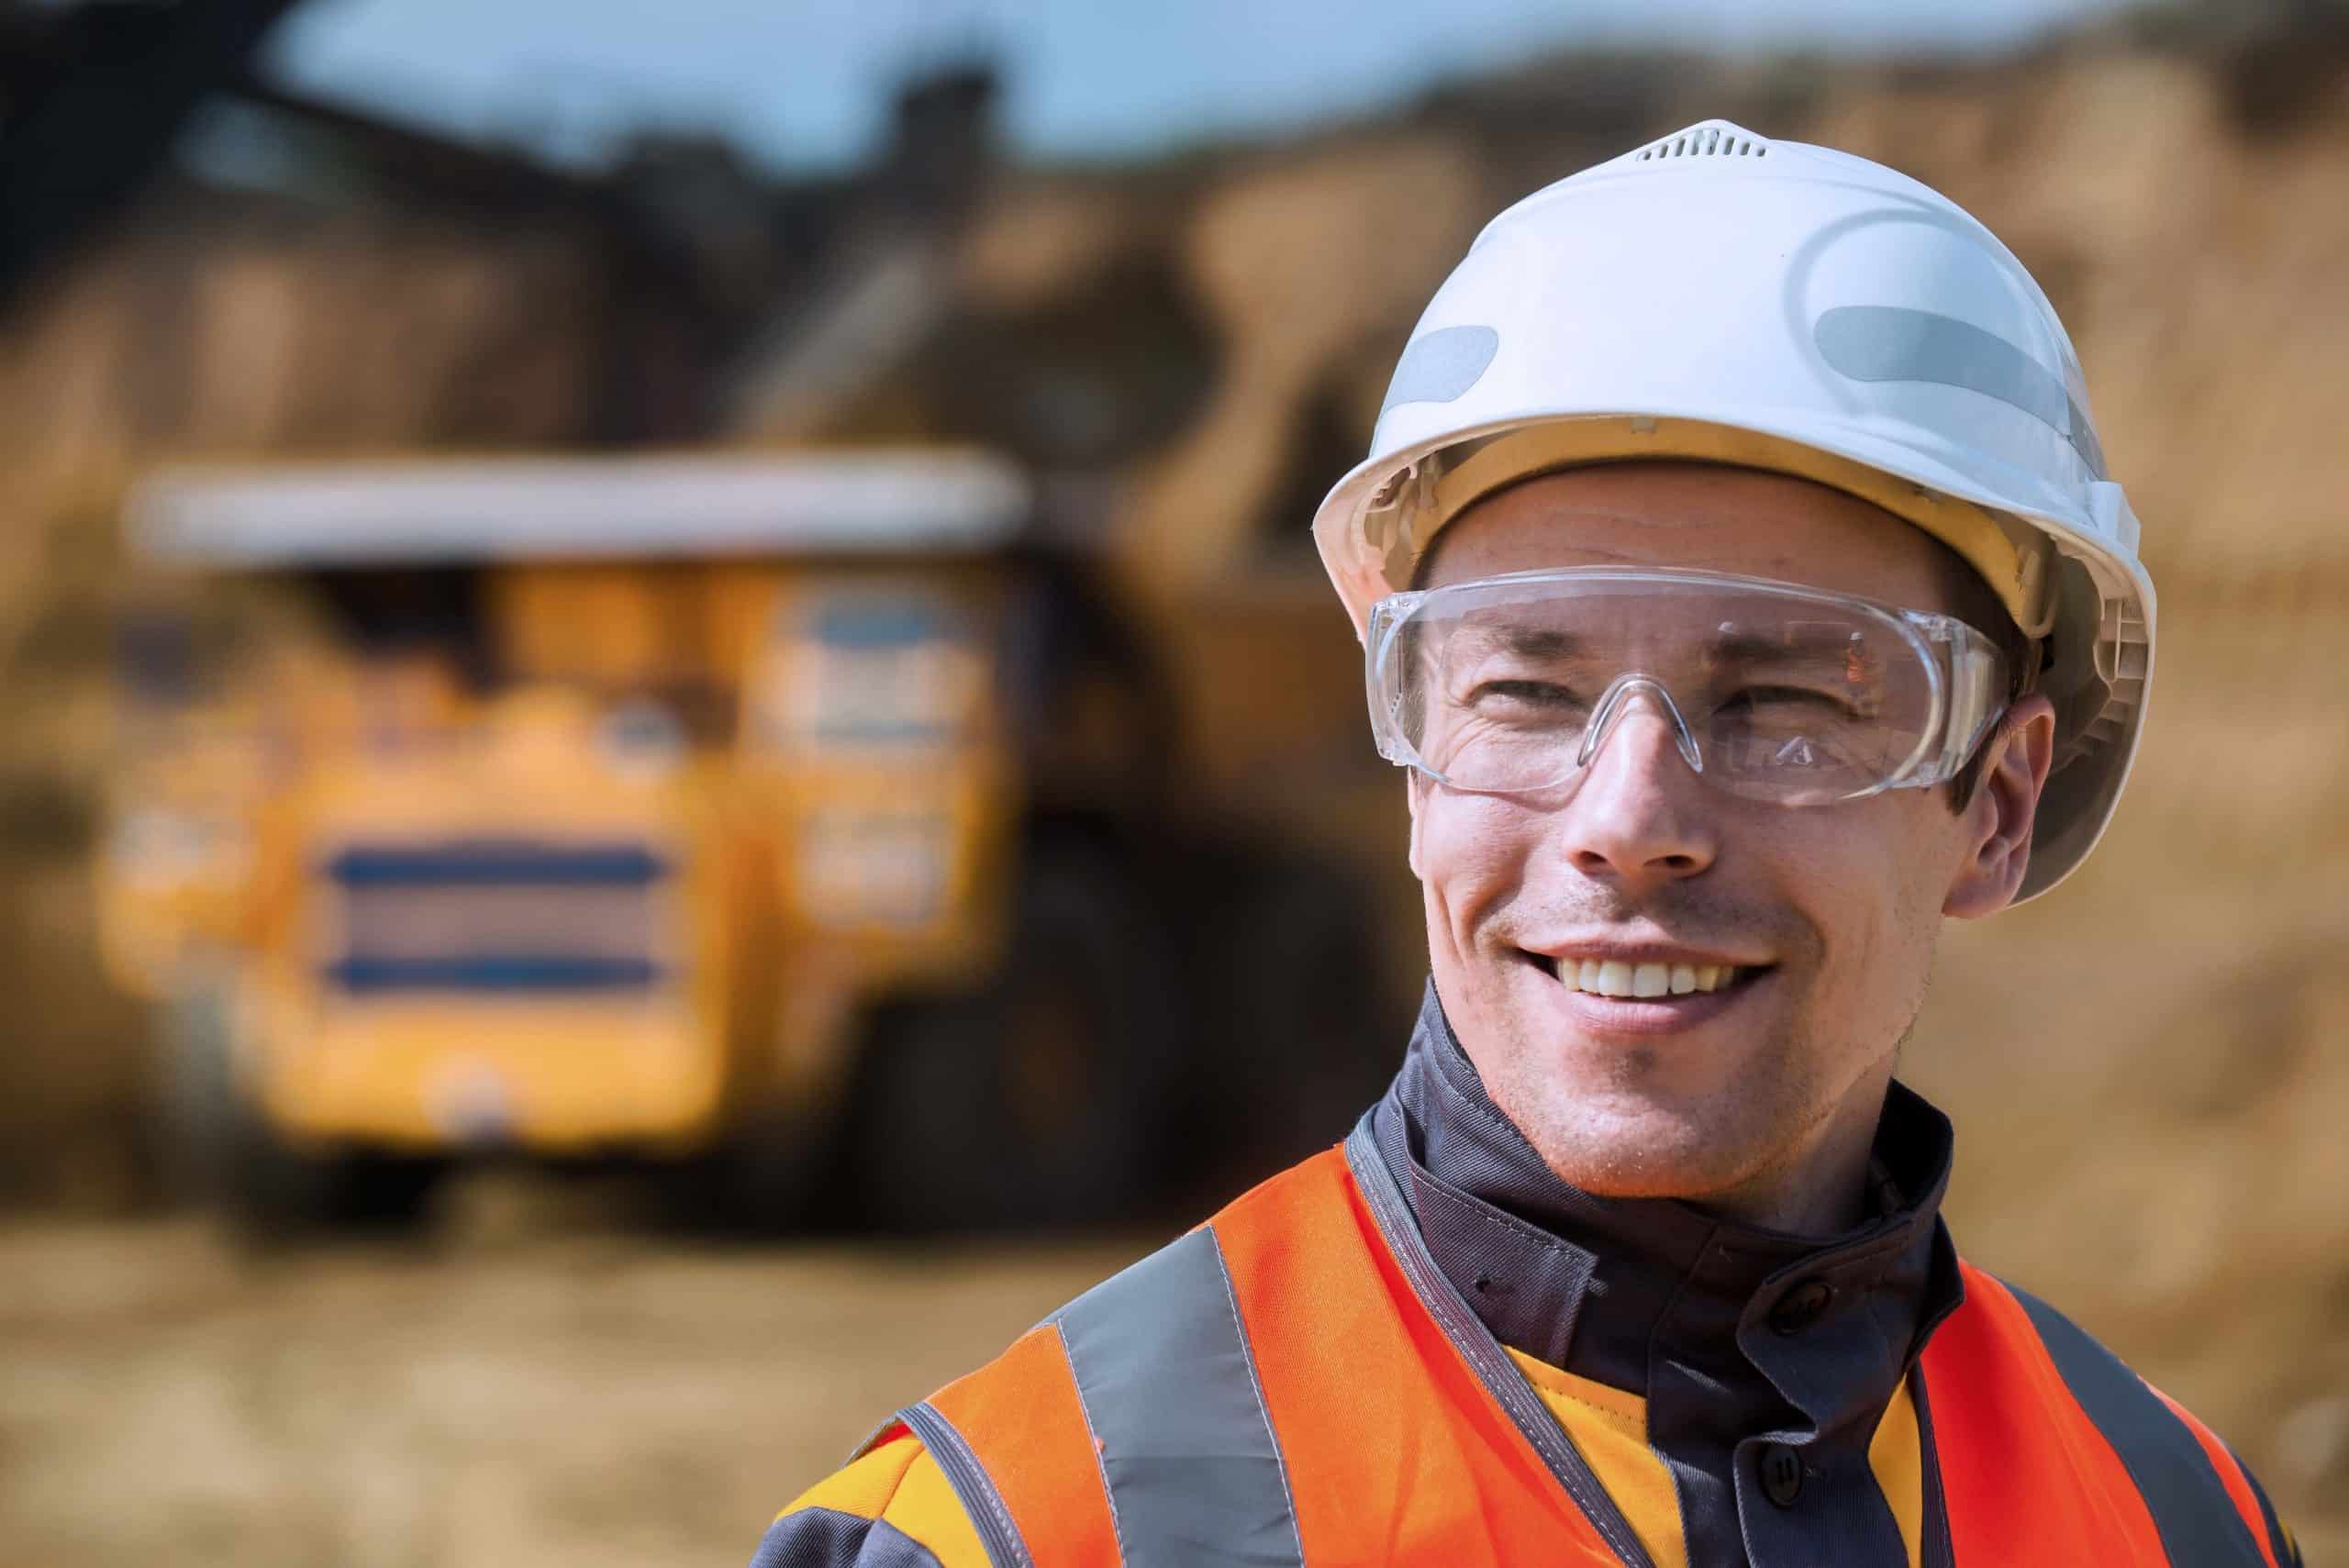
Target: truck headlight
[
  {"x": 862, "y": 868},
  {"x": 154, "y": 844}
]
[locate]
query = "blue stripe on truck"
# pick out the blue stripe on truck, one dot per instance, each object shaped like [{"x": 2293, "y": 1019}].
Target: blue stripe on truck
[
  {"x": 496, "y": 862},
  {"x": 494, "y": 971}
]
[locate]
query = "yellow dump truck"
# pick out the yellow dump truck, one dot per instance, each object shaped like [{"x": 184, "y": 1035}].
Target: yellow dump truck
[{"x": 789, "y": 823}]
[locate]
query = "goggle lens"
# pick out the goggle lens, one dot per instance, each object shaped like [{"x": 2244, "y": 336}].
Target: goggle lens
[{"x": 1770, "y": 690}]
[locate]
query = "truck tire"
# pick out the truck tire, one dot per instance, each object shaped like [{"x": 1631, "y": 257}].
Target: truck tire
[
  {"x": 1040, "y": 1100},
  {"x": 218, "y": 1148}
]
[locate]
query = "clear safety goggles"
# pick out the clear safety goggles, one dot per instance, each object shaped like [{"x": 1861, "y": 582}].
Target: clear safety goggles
[{"x": 1771, "y": 690}]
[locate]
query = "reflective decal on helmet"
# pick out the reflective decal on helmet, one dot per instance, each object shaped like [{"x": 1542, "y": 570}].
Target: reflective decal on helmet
[
  {"x": 1441, "y": 365},
  {"x": 1893, "y": 342}
]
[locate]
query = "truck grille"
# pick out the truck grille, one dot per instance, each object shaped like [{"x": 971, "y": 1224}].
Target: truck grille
[{"x": 497, "y": 916}]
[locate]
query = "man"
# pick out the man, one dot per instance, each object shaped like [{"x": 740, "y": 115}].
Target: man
[{"x": 1741, "y": 584}]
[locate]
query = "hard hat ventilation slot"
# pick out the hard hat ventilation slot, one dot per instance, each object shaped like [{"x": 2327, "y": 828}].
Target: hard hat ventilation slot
[{"x": 1714, "y": 139}]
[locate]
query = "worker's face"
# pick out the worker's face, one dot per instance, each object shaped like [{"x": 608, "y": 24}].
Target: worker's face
[{"x": 1830, "y": 913}]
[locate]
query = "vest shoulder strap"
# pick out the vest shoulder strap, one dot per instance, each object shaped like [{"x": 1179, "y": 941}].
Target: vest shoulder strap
[
  {"x": 1398, "y": 1451},
  {"x": 1129, "y": 1427},
  {"x": 1266, "y": 1389},
  {"x": 2052, "y": 1450},
  {"x": 1040, "y": 1480}
]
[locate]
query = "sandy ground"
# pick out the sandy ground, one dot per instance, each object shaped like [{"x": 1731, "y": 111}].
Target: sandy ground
[
  {"x": 506, "y": 1396},
  {"x": 529, "y": 1386}
]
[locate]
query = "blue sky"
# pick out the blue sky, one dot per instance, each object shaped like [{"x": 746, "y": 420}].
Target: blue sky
[{"x": 803, "y": 85}]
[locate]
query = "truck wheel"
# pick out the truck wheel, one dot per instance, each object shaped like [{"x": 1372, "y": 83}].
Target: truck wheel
[
  {"x": 1041, "y": 1099},
  {"x": 216, "y": 1148}
]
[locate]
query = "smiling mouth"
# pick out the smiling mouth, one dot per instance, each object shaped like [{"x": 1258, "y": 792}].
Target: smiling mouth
[{"x": 1620, "y": 980}]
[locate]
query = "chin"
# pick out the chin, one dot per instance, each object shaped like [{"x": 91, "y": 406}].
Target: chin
[
  {"x": 1650, "y": 1153},
  {"x": 1648, "y": 1108}
]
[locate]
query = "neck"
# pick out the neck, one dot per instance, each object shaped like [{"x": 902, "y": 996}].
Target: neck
[
  {"x": 1818, "y": 1185},
  {"x": 1818, "y": 1189}
]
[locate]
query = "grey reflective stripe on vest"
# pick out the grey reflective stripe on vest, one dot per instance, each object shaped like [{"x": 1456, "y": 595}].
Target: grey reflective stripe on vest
[
  {"x": 980, "y": 1500},
  {"x": 1934, "y": 1548},
  {"x": 2200, "y": 1526},
  {"x": 1484, "y": 1354},
  {"x": 1163, "y": 1371},
  {"x": 1891, "y": 342}
]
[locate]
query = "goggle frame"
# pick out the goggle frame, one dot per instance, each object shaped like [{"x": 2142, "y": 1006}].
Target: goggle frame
[{"x": 1963, "y": 668}]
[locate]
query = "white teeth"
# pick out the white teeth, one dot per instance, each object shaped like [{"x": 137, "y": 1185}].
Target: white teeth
[{"x": 1615, "y": 978}]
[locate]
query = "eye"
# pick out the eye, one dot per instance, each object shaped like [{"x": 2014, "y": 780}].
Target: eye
[
  {"x": 1546, "y": 696},
  {"x": 1784, "y": 701}
]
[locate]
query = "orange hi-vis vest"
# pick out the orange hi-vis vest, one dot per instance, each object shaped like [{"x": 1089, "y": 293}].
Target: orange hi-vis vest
[{"x": 1296, "y": 1382}]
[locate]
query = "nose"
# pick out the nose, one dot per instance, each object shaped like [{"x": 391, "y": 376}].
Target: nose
[{"x": 1638, "y": 817}]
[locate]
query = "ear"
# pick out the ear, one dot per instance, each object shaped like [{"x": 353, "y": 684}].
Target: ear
[{"x": 1997, "y": 820}]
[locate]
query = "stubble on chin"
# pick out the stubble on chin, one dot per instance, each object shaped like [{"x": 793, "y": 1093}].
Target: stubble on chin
[{"x": 1622, "y": 1132}]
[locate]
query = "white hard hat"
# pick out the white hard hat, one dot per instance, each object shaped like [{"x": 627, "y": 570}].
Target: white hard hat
[{"x": 1718, "y": 297}]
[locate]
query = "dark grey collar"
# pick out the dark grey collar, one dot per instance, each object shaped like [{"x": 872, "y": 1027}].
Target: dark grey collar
[{"x": 1731, "y": 1332}]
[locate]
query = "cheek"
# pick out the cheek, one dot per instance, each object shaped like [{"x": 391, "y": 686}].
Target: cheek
[
  {"x": 1868, "y": 882},
  {"x": 1471, "y": 851}
]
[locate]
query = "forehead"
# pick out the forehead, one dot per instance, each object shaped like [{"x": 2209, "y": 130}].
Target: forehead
[{"x": 1694, "y": 515}]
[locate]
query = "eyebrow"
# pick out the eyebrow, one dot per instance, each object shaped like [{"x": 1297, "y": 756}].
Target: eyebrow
[
  {"x": 1549, "y": 643},
  {"x": 1539, "y": 642},
  {"x": 1536, "y": 643},
  {"x": 1745, "y": 645}
]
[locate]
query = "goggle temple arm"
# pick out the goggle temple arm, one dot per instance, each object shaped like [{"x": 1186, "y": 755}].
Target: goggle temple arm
[
  {"x": 1974, "y": 693},
  {"x": 1380, "y": 635}
]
